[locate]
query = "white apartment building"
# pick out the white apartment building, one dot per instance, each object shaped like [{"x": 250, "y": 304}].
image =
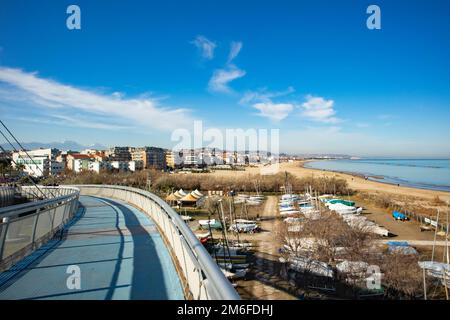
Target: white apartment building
[
  {"x": 98, "y": 166},
  {"x": 135, "y": 165},
  {"x": 39, "y": 162},
  {"x": 119, "y": 165}
]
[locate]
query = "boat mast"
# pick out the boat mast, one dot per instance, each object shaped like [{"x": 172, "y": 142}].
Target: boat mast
[
  {"x": 448, "y": 262},
  {"x": 233, "y": 215},
  {"x": 224, "y": 233},
  {"x": 435, "y": 234}
]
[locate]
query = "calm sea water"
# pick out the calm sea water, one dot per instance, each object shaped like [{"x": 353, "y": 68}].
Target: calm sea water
[{"x": 426, "y": 174}]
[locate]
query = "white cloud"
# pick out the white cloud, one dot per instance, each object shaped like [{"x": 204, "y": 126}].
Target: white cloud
[
  {"x": 205, "y": 45},
  {"x": 62, "y": 120},
  {"x": 264, "y": 95},
  {"x": 222, "y": 77},
  {"x": 144, "y": 112},
  {"x": 319, "y": 109},
  {"x": 234, "y": 51},
  {"x": 262, "y": 100},
  {"x": 274, "y": 111}
]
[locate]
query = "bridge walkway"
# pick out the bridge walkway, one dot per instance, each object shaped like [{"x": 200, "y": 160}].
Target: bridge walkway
[{"x": 119, "y": 253}]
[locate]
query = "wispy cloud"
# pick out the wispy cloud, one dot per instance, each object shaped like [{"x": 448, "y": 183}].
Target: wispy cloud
[
  {"x": 319, "y": 109},
  {"x": 221, "y": 78},
  {"x": 234, "y": 51},
  {"x": 61, "y": 120},
  {"x": 262, "y": 100},
  {"x": 264, "y": 95},
  {"x": 205, "y": 46},
  {"x": 62, "y": 99},
  {"x": 274, "y": 111}
]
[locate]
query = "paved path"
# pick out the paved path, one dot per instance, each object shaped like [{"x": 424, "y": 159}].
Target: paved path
[{"x": 118, "y": 250}]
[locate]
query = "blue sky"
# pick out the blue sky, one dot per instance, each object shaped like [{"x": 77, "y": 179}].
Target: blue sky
[{"x": 137, "y": 70}]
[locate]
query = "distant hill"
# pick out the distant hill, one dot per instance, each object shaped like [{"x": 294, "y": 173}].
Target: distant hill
[{"x": 66, "y": 145}]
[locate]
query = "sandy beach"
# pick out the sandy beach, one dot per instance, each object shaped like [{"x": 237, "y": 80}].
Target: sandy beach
[{"x": 354, "y": 182}]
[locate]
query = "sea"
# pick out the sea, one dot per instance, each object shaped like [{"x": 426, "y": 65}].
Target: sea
[{"x": 431, "y": 174}]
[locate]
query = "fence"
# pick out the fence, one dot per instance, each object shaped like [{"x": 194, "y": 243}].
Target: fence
[
  {"x": 25, "y": 227},
  {"x": 202, "y": 277}
]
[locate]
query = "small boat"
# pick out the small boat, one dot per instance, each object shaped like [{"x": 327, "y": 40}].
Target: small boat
[
  {"x": 186, "y": 218},
  {"x": 399, "y": 216},
  {"x": 236, "y": 266},
  {"x": 305, "y": 209},
  {"x": 290, "y": 197},
  {"x": 344, "y": 209},
  {"x": 286, "y": 208},
  {"x": 204, "y": 237},
  {"x": 344, "y": 202},
  {"x": 253, "y": 202},
  {"x": 438, "y": 270},
  {"x": 289, "y": 212},
  {"x": 213, "y": 224},
  {"x": 246, "y": 226},
  {"x": 236, "y": 274},
  {"x": 290, "y": 220},
  {"x": 286, "y": 204}
]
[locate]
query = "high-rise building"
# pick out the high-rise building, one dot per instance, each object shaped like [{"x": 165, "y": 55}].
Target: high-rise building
[
  {"x": 170, "y": 159},
  {"x": 151, "y": 157},
  {"x": 119, "y": 153}
]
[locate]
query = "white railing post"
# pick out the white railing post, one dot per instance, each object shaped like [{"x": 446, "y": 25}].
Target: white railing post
[
  {"x": 3, "y": 233},
  {"x": 35, "y": 222}
]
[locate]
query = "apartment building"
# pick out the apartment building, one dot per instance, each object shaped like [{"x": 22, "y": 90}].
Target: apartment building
[
  {"x": 119, "y": 153},
  {"x": 39, "y": 162},
  {"x": 151, "y": 157},
  {"x": 71, "y": 158},
  {"x": 170, "y": 159}
]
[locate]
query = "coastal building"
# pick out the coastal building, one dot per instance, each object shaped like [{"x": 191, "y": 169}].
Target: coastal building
[
  {"x": 70, "y": 160},
  {"x": 81, "y": 164},
  {"x": 135, "y": 165},
  {"x": 190, "y": 159},
  {"x": 170, "y": 159},
  {"x": 119, "y": 153},
  {"x": 35, "y": 166},
  {"x": 151, "y": 157},
  {"x": 38, "y": 162}
]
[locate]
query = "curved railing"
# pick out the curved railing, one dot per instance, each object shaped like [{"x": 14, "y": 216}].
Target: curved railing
[
  {"x": 202, "y": 277},
  {"x": 6, "y": 196},
  {"x": 25, "y": 227}
]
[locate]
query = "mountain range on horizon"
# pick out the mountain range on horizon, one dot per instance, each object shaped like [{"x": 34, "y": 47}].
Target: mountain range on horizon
[{"x": 66, "y": 145}]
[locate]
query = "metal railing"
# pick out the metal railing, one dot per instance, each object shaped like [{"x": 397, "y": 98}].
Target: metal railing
[
  {"x": 25, "y": 227},
  {"x": 202, "y": 277},
  {"x": 6, "y": 195}
]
